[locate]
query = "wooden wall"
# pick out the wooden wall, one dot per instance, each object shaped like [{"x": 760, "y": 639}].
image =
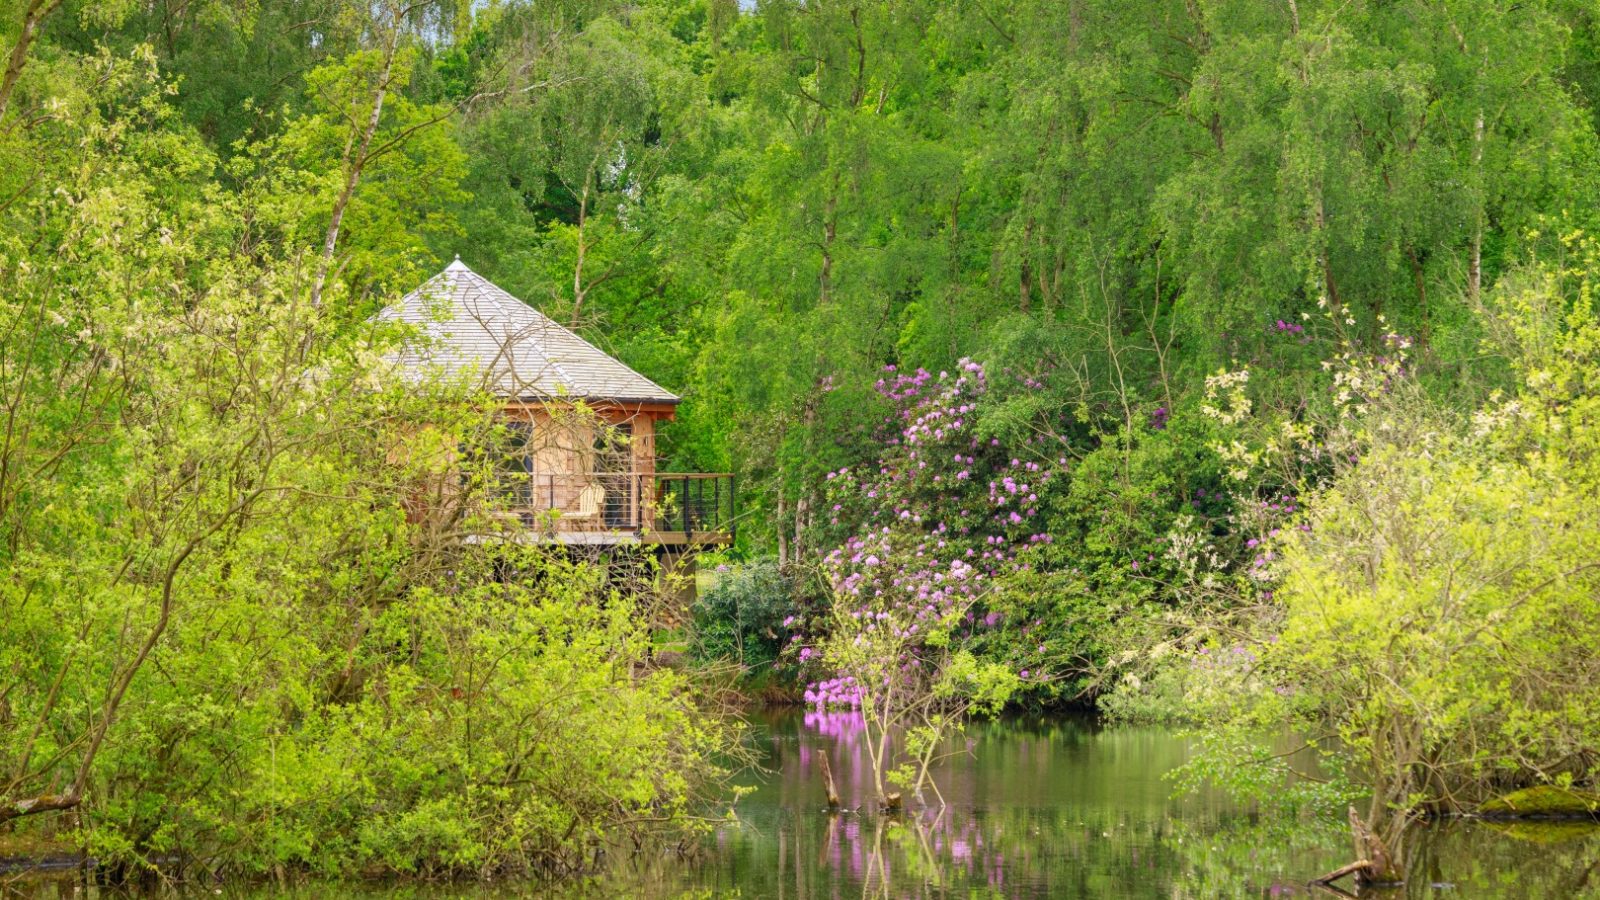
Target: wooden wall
[{"x": 565, "y": 458}]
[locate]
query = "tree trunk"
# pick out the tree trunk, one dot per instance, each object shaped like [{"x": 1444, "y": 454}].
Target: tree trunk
[
  {"x": 800, "y": 509},
  {"x": 782, "y": 529},
  {"x": 1383, "y": 865},
  {"x": 1422, "y": 294},
  {"x": 37, "y": 10},
  {"x": 577, "y": 268},
  {"x": 830, "y": 231},
  {"x": 1475, "y": 260},
  {"x": 355, "y": 162},
  {"x": 1329, "y": 285},
  {"x": 1025, "y": 277},
  {"x": 1375, "y": 862}
]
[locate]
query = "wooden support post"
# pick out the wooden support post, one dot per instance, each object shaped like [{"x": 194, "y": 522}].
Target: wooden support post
[{"x": 827, "y": 782}]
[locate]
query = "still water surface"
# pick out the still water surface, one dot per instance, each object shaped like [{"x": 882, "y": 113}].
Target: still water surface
[
  {"x": 1059, "y": 807},
  {"x": 1064, "y": 807}
]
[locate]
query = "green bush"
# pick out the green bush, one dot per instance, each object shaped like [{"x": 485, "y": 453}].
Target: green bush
[
  {"x": 748, "y": 613},
  {"x": 473, "y": 727},
  {"x": 242, "y": 620},
  {"x": 1126, "y": 496},
  {"x": 1433, "y": 626}
]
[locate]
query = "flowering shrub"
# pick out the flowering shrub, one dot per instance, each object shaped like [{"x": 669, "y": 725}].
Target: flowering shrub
[
  {"x": 927, "y": 533},
  {"x": 1070, "y": 559},
  {"x": 1242, "y": 465},
  {"x": 1011, "y": 549},
  {"x": 923, "y": 542}
]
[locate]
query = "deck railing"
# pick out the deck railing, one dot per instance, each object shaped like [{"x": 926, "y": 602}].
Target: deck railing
[
  {"x": 691, "y": 503},
  {"x": 694, "y": 502}
]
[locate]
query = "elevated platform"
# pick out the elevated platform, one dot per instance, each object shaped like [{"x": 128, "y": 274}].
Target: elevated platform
[{"x": 602, "y": 509}]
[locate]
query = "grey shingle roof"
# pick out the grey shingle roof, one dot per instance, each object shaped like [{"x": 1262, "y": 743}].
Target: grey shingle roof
[{"x": 471, "y": 326}]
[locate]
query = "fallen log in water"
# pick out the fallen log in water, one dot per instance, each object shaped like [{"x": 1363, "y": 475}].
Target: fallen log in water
[{"x": 1346, "y": 869}]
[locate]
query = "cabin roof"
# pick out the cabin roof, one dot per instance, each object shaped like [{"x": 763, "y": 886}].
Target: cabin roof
[{"x": 471, "y": 325}]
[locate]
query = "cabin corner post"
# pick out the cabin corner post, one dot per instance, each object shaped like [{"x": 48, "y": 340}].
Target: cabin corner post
[{"x": 683, "y": 505}]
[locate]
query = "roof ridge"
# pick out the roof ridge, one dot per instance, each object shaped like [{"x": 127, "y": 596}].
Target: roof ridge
[
  {"x": 518, "y": 307},
  {"x": 420, "y": 292},
  {"x": 552, "y": 323},
  {"x": 525, "y": 352}
]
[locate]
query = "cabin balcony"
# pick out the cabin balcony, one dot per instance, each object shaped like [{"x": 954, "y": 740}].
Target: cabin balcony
[{"x": 668, "y": 509}]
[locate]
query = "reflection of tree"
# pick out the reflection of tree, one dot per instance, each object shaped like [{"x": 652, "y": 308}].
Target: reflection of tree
[
  {"x": 1253, "y": 858},
  {"x": 1061, "y": 808},
  {"x": 1017, "y": 851}
]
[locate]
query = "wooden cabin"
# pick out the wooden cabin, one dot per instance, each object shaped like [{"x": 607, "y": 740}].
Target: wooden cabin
[{"x": 582, "y": 468}]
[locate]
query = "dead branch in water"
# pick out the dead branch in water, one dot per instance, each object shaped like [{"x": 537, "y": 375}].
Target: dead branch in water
[{"x": 827, "y": 778}]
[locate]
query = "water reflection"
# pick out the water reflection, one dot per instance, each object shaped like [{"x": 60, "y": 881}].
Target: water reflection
[{"x": 1066, "y": 808}]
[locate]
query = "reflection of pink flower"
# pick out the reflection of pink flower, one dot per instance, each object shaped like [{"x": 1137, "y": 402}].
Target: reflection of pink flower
[{"x": 841, "y": 725}]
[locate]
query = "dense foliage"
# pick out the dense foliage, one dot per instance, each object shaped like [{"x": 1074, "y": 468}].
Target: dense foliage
[
  {"x": 1434, "y": 620},
  {"x": 1212, "y": 358},
  {"x": 254, "y": 615},
  {"x": 743, "y": 615}
]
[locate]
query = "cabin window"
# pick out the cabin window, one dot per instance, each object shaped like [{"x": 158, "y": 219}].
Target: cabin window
[
  {"x": 513, "y": 471},
  {"x": 613, "y": 456}
]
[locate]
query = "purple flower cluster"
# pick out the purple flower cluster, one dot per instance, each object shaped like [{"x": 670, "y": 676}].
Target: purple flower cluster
[
  {"x": 925, "y": 530},
  {"x": 1268, "y": 519},
  {"x": 1236, "y": 657}
]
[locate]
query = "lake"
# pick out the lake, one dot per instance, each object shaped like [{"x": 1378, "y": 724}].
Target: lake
[
  {"x": 1067, "y": 807},
  {"x": 1057, "y": 807}
]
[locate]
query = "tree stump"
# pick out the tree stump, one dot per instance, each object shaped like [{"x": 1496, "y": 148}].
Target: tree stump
[
  {"x": 827, "y": 782},
  {"x": 1375, "y": 863}
]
